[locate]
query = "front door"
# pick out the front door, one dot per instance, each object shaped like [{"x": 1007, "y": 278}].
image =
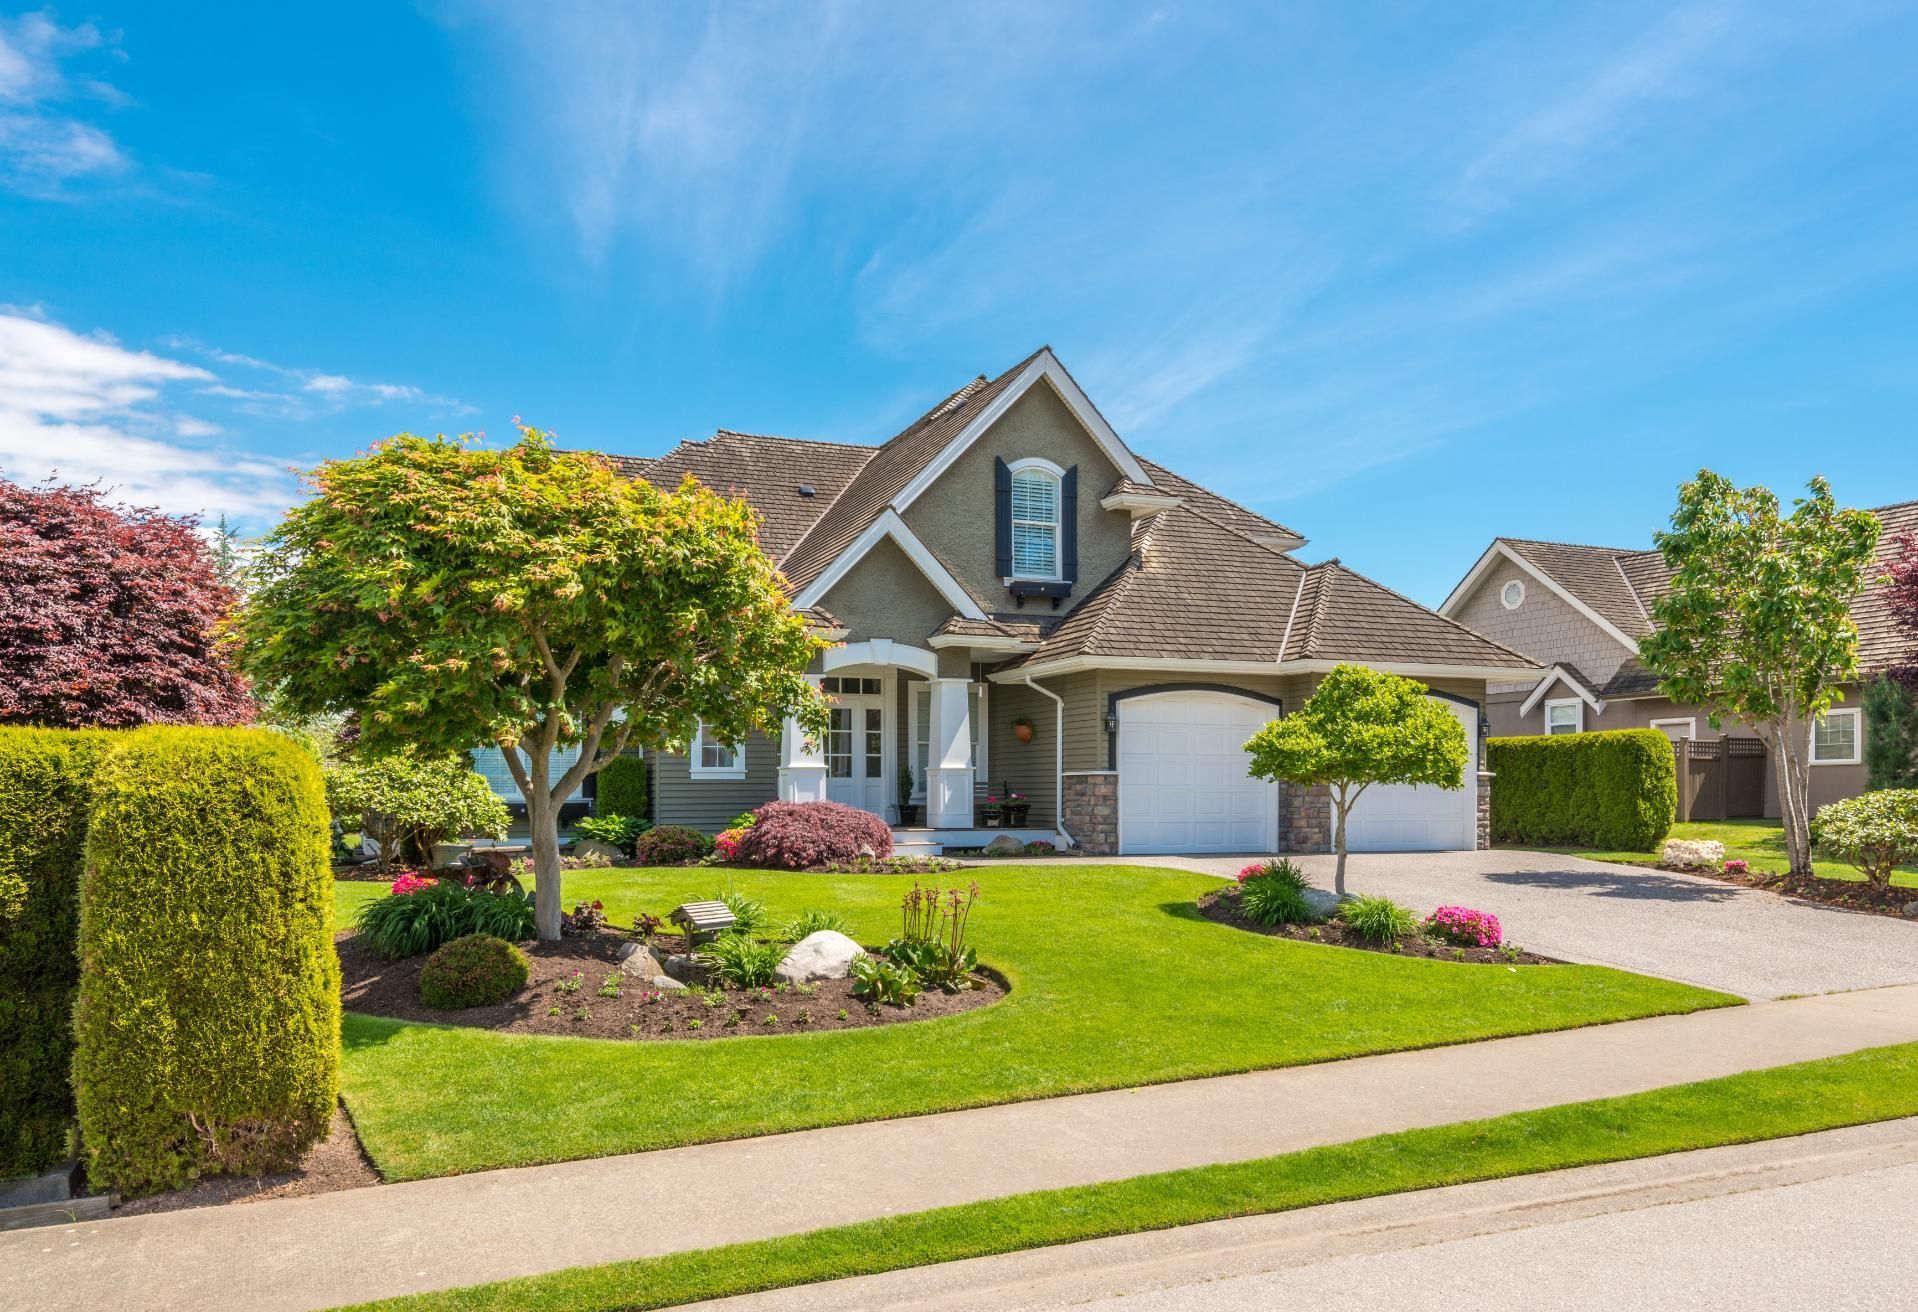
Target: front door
[{"x": 855, "y": 753}]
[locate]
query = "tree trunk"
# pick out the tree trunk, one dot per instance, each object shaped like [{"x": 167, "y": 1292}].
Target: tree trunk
[
  {"x": 1792, "y": 789},
  {"x": 1338, "y": 843},
  {"x": 542, "y": 818}
]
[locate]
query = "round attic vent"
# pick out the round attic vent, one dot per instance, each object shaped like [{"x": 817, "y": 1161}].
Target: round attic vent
[{"x": 1513, "y": 595}]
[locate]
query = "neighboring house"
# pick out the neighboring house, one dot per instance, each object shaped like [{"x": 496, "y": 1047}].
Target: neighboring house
[
  {"x": 1008, "y": 558},
  {"x": 1580, "y": 611}
]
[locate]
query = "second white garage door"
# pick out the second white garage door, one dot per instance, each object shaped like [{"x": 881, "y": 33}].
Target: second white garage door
[
  {"x": 1420, "y": 818},
  {"x": 1183, "y": 785}
]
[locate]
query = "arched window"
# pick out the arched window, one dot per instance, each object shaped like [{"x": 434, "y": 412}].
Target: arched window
[{"x": 1035, "y": 520}]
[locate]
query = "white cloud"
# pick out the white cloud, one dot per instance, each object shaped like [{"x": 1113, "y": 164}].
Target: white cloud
[
  {"x": 86, "y": 409},
  {"x": 43, "y": 147},
  {"x": 314, "y": 391}
]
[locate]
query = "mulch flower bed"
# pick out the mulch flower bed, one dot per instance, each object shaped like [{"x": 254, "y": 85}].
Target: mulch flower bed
[
  {"x": 1853, "y": 895},
  {"x": 1222, "y": 905},
  {"x": 567, "y": 990}
]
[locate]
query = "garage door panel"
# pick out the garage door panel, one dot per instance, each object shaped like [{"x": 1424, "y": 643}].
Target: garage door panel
[
  {"x": 1183, "y": 785},
  {"x": 1420, "y": 818}
]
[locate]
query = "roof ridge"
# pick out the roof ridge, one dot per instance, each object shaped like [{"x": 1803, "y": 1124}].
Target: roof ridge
[
  {"x": 1319, "y": 600},
  {"x": 782, "y": 437},
  {"x": 1579, "y": 546}
]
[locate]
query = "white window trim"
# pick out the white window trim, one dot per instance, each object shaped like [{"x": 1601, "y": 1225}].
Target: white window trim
[
  {"x": 737, "y": 770},
  {"x": 1506, "y": 587},
  {"x": 1855, "y": 715},
  {"x": 1689, "y": 721},
  {"x": 1578, "y": 702},
  {"x": 1029, "y": 465}
]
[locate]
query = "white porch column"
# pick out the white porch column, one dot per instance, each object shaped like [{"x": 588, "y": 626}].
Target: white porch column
[
  {"x": 949, "y": 756},
  {"x": 802, "y": 765}
]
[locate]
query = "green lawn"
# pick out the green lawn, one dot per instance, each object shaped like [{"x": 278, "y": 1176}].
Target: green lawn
[
  {"x": 1877, "y": 1084},
  {"x": 1761, "y": 842},
  {"x": 1116, "y": 981}
]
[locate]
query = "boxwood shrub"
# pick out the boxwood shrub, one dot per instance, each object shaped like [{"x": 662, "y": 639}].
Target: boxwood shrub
[
  {"x": 45, "y": 786},
  {"x": 208, "y": 1021},
  {"x": 475, "y": 971},
  {"x": 621, "y": 789},
  {"x": 1616, "y": 790}
]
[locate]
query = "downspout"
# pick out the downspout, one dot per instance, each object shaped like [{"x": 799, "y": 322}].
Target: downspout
[{"x": 1058, "y": 761}]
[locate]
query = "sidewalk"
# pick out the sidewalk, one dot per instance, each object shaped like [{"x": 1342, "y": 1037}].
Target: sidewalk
[{"x": 307, "y": 1253}]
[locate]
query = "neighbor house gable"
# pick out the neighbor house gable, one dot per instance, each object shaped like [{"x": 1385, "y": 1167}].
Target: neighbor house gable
[{"x": 1545, "y": 625}]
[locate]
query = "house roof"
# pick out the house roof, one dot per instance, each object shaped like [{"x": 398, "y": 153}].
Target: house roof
[
  {"x": 769, "y": 472},
  {"x": 1622, "y": 585},
  {"x": 1199, "y": 590},
  {"x": 1212, "y": 505}
]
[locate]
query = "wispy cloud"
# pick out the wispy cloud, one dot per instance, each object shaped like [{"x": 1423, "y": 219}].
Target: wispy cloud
[
  {"x": 45, "y": 147},
  {"x": 303, "y": 393},
  {"x": 86, "y": 409}
]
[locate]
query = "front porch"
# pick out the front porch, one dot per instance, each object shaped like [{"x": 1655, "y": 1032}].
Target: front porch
[{"x": 907, "y": 740}]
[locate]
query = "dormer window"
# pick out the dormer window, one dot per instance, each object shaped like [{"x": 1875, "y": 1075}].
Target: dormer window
[{"x": 1035, "y": 519}]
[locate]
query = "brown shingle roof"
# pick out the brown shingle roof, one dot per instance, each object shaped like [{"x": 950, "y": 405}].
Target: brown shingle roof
[
  {"x": 1624, "y": 585},
  {"x": 1212, "y": 505},
  {"x": 767, "y": 471},
  {"x": 893, "y": 466},
  {"x": 1024, "y": 628},
  {"x": 1194, "y": 589}
]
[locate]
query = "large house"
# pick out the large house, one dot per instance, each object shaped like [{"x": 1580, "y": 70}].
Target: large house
[
  {"x": 1022, "y": 604},
  {"x": 1579, "y": 611}
]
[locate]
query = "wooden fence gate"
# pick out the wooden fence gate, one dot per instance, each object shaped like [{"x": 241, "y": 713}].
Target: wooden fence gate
[{"x": 1721, "y": 780}]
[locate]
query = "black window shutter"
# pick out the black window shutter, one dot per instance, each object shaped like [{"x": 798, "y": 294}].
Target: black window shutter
[
  {"x": 1002, "y": 517},
  {"x": 1069, "y": 524}
]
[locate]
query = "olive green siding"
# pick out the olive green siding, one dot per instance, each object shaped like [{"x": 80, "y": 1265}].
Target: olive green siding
[
  {"x": 1024, "y": 767},
  {"x": 954, "y": 516},
  {"x": 708, "y": 804},
  {"x": 886, "y": 596}
]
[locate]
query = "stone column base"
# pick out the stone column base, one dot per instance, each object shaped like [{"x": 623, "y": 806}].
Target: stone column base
[
  {"x": 1484, "y": 829},
  {"x": 1091, "y": 810},
  {"x": 1305, "y": 818}
]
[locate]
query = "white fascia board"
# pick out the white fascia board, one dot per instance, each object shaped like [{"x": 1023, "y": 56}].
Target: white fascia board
[
  {"x": 1557, "y": 674},
  {"x": 1173, "y": 664},
  {"x": 1044, "y": 366},
  {"x": 1499, "y": 551},
  {"x": 982, "y": 642},
  {"x": 1416, "y": 669},
  {"x": 889, "y": 525}
]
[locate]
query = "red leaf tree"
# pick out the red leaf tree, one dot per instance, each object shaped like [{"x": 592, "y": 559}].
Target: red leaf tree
[
  {"x": 1901, "y": 601},
  {"x": 107, "y": 615}
]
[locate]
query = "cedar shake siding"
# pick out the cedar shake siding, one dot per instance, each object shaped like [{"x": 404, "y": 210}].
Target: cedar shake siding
[{"x": 1544, "y": 627}]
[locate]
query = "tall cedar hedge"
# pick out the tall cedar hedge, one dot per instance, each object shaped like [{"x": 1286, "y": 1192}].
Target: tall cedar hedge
[
  {"x": 1616, "y": 790},
  {"x": 45, "y": 783},
  {"x": 208, "y": 1023},
  {"x": 622, "y": 788}
]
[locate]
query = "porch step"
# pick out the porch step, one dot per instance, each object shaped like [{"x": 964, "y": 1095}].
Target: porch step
[{"x": 922, "y": 841}]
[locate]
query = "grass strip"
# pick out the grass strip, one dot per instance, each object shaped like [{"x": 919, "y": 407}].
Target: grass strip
[{"x": 1874, "y": 1085}]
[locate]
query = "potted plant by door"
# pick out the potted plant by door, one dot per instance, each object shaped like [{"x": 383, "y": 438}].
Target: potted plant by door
[
  {"x": 908, "y": 809},
  {"x": 989, "y": 811},
  {"x": 1017, "y": 807},
  {"x": 1022, "y": 729}
]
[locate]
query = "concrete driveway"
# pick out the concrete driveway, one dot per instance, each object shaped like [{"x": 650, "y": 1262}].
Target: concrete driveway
[{"x": 1701, "y": 931}]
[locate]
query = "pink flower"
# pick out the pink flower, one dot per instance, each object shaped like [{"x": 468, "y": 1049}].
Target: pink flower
[
  {"x": 1737, "y": 867},
  {"x": 412, "y": 883},
  {"x": 1466, "y": 927},
  {"x": 1248, "y": 872}
]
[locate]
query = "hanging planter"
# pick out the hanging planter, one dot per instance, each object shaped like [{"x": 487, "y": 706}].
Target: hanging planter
[{"x": 1022, "y": 729}]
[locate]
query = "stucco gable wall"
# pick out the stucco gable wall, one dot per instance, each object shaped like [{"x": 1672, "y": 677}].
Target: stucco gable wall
[
  {"x": 1544, "y": 627},
  {"x": 886, "y": 596},
  {"x": 955, "y": 515}
]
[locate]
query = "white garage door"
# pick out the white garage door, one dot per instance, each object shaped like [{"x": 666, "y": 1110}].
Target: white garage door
[
  {"x": 1409, "y": 818},
  {"x": 1183, "y": 785}
]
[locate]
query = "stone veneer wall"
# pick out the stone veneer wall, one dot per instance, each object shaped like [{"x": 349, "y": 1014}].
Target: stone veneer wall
[
  {"x": 1484, "y": 809},
  {"x": 1305, "y": 818},
  {"x": 1091, "y": 812}
]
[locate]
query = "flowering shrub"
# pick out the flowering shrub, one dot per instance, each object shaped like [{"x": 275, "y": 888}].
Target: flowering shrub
[
  {"x": 726, "y": 844},
  {"x": 801, "y": 835},
  {"x": 1252, "y": 871},
  {"x": 409, "y": 882},
  {"x": 1737, "y": 867},
  {"x": 671, "y": 845},
  {"x": 1465, "y": 927},
  {"x": 1877, "y": 832}
]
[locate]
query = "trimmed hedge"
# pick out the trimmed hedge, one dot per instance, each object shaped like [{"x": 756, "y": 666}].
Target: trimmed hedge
[
  {"x": 208, "y": 1023},
  {"x": 476, "y": 971},
  {"x": 46, "y": 778},
  {"x": 1616, "y": 790},
  {"x": 621, "y": 789}
]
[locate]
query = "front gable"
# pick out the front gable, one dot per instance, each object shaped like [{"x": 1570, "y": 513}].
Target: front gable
[
  {"x": 954, "y": 513},
  {"x": 1544, "y": 624},
  {"x": 885, "y": 594}
]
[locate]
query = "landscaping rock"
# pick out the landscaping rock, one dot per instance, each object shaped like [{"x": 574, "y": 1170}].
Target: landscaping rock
[
  {"x": 1911, "y": 910},
  {"x": 1324, "y": 904},
  {"x": 1004, "y": 845},
  {"x": 825, "y": 955},
  {"x": 594, "y": 847},
  {"x": 667, "y": 984},
  {"x": 1694, "y": 854},
  {"x": 640, "y": 961}
]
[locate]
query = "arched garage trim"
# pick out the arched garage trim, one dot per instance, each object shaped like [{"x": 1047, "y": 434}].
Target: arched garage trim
[{"x": 1154, "y": 689}]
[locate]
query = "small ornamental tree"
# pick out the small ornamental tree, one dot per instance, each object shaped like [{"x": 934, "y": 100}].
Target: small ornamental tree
[
  {"x": 107, "y": 616},
  {"x": 1358, "y": 728},
  {"x": 1757, "y": 624},
  {"x": 410, "y": 802},
  {"x": 527, "y": 598},
  {"x": 1901, "y": 603}
]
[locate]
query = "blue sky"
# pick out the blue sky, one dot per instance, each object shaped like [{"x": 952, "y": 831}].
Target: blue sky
[{"x": 1402, "y": 276}]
